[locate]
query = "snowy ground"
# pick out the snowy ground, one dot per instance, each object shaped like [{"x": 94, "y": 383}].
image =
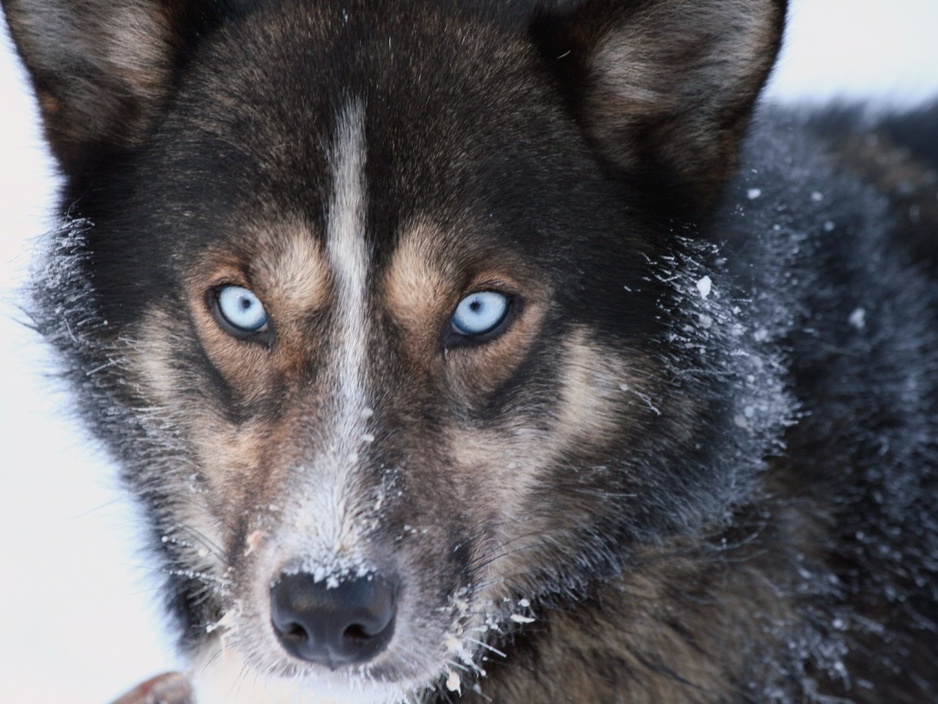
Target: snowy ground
[{"x": 76, "y": 621}]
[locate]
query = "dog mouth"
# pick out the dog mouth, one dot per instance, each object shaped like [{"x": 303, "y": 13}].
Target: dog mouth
[
  {"x": 369, "y": 662},
  {"x": 360, "y": 634},
  {"x": 344, "y": 630}
]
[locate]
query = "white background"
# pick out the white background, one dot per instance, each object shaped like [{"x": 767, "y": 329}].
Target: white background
[{"x": 77, "y": 617}]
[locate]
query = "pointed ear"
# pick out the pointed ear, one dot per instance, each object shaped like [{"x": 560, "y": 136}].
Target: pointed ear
[
  {"x": 101, "y": 68},
  {"x": 664, "y": 89}
]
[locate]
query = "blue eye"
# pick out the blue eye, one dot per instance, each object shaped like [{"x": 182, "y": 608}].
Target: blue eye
[
  {"x": 480, "y": 313},
  {"x": 241, "y": 309}
]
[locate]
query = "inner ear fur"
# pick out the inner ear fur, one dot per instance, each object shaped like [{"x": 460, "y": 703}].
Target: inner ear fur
[
  {"x": 101, "y": 69},
  {"x": 664, "y": 89}
]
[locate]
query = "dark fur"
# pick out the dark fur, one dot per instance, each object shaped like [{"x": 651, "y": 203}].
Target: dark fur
[{"x": 752, "y": 518}]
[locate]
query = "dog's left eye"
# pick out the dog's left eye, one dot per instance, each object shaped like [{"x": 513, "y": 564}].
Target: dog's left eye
[
  {"x": 480, "y": 313},
  {"x": 241, "y": 309}
]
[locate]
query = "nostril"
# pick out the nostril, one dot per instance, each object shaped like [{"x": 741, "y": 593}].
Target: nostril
[
  {"x": 356, "y": 632},
  {"x": 296, "y": 632},
  {"x": 333, "y": 623}
]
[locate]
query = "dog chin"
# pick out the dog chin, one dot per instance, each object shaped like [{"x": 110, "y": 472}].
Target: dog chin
[{"x": 226, "y": 678}]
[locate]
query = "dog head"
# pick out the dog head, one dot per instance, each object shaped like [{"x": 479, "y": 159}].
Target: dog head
[{"x": 390, "y": 310}]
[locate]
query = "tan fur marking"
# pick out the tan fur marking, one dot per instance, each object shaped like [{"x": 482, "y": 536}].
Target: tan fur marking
[
  {"x": 151, "y": 355},
  {"x": 598, "y": 389},
  {"x": 600, "y": 392},
  {"x": 242, "y": 463},
  {"x": 429, "y": 275},
  {"x": 596, "y": 392},
  {"x": 291, "y": 265},
  {"x": 418, "y": 288},
  {"x": 287, "y": 270}
]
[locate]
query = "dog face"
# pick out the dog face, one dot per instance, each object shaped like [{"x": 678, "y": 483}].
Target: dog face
[
  {"x": 368, "y": 300},
  {"x": 377, "y": 426}
]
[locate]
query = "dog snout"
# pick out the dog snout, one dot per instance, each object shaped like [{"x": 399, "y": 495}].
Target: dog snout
[{"x": 334, "y": 622}]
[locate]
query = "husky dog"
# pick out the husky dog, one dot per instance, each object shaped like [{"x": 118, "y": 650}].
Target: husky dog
[{"x": 488, "y": 351}]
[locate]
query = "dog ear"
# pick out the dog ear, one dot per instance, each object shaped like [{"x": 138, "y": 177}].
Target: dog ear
[
  {"x": 101, "y": 68},
  {"x": 663, "y": 89}
]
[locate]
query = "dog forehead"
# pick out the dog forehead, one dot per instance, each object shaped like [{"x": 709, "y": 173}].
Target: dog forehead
[
  {"x": 440, "y": 141},
  {"x": 428, "y": 80}
]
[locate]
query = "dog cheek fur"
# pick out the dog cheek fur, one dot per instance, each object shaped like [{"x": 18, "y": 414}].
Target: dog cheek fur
[
  {"x": 241, "y": 481},
  {"x": 533, "y": 484}
]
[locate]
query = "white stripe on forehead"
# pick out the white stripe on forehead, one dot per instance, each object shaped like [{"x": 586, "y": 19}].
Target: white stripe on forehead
[
  {"x": 323, "y": 532},
  {"x": 348, "y": 255}
]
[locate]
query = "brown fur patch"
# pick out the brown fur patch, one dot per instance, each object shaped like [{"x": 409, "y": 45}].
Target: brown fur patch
[
  {"x": 595, "y": 395},
  {"x": 597, "y": 390},
  {"x": 290, "y": 262},
  {"x": 426, "y": 279},
  {"x": 418, "y": 288},
  {"x": 286, "y": 268},
  {"x": 240, "y": 465},
  {"x": 244, "y": 460}
]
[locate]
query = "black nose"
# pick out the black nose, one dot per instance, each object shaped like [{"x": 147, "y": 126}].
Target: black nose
[{"x": 333, "y": 623}]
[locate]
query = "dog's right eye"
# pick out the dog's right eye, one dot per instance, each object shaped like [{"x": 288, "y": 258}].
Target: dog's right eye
[{"x": 241, "y": 309}]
